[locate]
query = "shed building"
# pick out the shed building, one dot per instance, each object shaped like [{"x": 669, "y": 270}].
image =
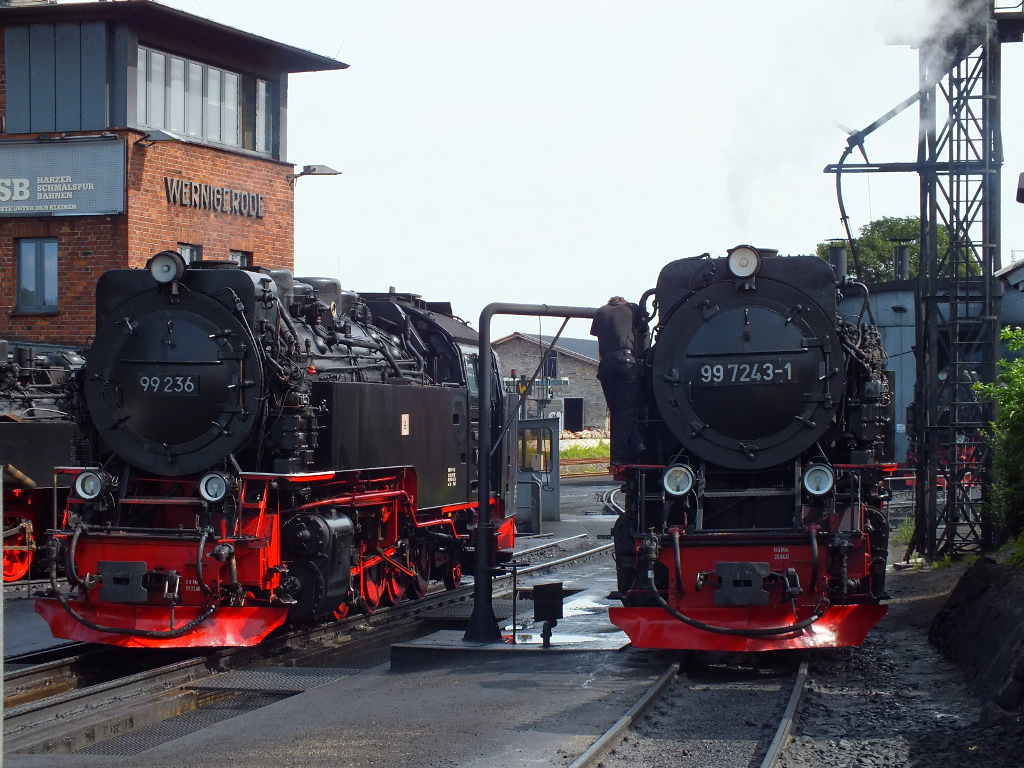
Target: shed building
[{"x": 566, "y": 385}]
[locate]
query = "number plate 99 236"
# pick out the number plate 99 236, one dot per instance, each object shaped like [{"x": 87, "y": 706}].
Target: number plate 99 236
[{"x": 182, "y": 386}]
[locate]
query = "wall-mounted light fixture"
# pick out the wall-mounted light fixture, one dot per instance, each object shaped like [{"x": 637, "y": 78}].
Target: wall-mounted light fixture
[{"x": 313, "y": 170}]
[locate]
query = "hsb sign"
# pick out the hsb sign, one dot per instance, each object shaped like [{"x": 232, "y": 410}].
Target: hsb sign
[{"x": 13, "y": 189}]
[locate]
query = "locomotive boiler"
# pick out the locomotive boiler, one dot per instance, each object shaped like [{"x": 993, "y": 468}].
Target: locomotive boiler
[
  {"x": 262, "y": 449},
  {"x": 753, "y": 513}
]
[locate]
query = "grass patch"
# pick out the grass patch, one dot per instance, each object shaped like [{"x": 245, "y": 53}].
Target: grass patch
[
  {"x": 903, "y": 532},
  {"x": 600, "y": 451}
]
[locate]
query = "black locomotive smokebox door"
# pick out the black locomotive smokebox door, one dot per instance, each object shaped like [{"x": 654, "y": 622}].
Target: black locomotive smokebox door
[
  {"x": 744, "y": 380},
  {"x": 748, "y": 371},
  {"x": 169, "y": 386}
]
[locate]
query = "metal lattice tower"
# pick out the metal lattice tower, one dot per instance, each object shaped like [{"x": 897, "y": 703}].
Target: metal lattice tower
[
  {"x": 958, "y": 319},
  {"x": 957, "y": 296},
  {"x": 960, "y": 156}
]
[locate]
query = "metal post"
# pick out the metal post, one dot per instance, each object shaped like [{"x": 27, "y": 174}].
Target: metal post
[{"x": 483, "y": 626}]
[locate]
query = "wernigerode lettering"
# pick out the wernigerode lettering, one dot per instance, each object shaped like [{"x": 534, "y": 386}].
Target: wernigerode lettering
[{"x": 236, "y": 202}]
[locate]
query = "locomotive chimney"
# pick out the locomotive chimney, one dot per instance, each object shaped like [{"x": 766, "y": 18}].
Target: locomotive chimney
[
  {"x": 837, "y": 258},
  {"x": 901, "y": 260}
]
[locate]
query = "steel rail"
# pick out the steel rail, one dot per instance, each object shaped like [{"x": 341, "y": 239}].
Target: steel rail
[
  {"x": 593, "y": 755},
  {"x": 64, "y": 721},
  {"x": 612, "y": 736},
  {"x": 786, "y": 725}
]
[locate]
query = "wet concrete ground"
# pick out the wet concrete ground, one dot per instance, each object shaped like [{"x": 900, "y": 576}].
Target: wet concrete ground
[{"x": 515, "y": 706}]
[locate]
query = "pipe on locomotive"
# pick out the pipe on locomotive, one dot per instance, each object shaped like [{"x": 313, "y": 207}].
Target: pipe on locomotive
[{"x": 483, "y": 625}]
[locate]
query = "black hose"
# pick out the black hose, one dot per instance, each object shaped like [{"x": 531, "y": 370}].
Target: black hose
[
  {"x": 679, "y": 560},
  {"x": 819, "y": 611},
  {"x": 150, "y": 633},
  {"x": 199, "y": 561},
  {"x": 814, "y": 561}
]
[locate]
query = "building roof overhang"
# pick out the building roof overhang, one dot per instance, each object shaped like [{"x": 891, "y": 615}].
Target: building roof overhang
[{"x": 151, "y": 15}]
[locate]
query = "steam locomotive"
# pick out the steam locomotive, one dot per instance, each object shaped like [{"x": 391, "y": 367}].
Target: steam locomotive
[
  {"x": 35, "y": 436},
  {"x": 753, "y": 515},
  {"x": 262, "y": 450}
]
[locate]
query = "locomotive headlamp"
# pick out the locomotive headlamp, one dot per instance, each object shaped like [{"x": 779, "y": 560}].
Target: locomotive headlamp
[
  {"x": 166, "y": 266},
  {"x": 744, "y": 261},
  {"x": 819, "y": 479},
  {"x": 677, "y": 479},
  {"x": 214, "y": 486},
  {"x": 91, "y": 483}
]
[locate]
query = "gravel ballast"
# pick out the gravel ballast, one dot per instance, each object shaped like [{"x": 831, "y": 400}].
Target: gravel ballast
[{"x": 904, "y": 700}]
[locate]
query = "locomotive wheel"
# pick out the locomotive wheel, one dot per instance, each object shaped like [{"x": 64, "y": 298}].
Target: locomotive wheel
[
  {"x": 373, "y": 587},
  {"x": 417, "y": 587},
  {"x": 395, "y": 585},
  {"x": 453, "y": 576},
  {"x": 341, "y": 611},
  {"x": 16, "y": 561}
]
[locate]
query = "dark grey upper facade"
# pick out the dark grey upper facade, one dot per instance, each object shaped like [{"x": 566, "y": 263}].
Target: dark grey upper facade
[{"x": 75, "y": 66}]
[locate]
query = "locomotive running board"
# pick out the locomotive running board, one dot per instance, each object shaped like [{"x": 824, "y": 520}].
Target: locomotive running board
[
  {"x": 226, "y": 627},
  {"x": 842, "y": 625}
]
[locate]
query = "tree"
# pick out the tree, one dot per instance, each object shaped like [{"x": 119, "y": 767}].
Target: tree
[
  {"x": 875, "y": 247},
  {"x": 1006, "y": 435}
]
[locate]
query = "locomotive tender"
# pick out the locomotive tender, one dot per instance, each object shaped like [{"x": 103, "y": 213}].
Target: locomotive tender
[
  {"x": 753, "y": 518},
  {"x": 262, "y": 449}
]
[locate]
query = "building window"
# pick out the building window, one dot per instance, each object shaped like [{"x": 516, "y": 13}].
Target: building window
[
  {"x": 551, "y": 364},
  {"x": 263, "y": 117},
  {"x": 37, "y": 274},
  {"x": 190, "y": 252},
  {"x": 196, "y": 100},
  {"x": 241, "y": 258}
]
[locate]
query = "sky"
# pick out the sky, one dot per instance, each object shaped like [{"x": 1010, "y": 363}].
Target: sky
[{"x": 562, "y": 151}]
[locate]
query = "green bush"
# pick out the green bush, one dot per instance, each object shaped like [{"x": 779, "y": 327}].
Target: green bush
[
  {"x": 1006, "y": 434},
  {"x": 1016, "y": 559}
]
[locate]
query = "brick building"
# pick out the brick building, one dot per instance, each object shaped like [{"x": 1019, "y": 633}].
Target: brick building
[
  {"x": 129, "y": 128},
  {"x": 567, "y": 384}
]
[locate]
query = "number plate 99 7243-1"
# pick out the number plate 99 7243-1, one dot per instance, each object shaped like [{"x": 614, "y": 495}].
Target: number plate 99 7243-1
[
  {"x": 182, "y": 386},
  {"x": 748, "y": 372}
]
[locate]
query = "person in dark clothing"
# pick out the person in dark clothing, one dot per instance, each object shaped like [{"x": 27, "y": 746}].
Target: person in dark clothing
[{"x": 617, "y": 326}]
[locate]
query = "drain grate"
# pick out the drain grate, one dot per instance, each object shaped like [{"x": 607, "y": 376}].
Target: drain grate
[
  {"x": 253, "y": 689},
  {"x": 274, "y": 679},
  {"x": 182, "y": 725},
  {"x": 463, "y": 611}
]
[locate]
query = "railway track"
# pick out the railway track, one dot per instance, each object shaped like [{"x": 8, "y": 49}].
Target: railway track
[
  {"x": 585, "y": 467},
  {"x": 83, "y": 694},
  {"x": 712, "y": 717}
]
